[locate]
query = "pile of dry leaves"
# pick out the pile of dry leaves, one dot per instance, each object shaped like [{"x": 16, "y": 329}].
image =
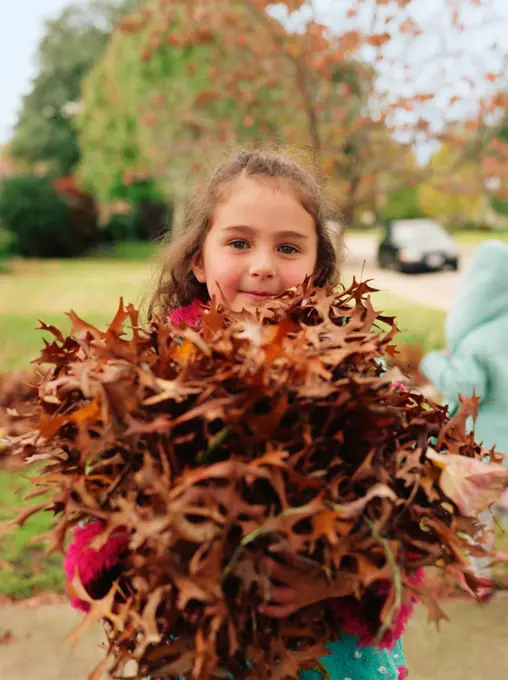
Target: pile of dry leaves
[{"x": 219, "y": 446}]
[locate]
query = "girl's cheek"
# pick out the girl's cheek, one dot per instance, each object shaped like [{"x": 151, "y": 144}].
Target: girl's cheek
[
  {"x": 228, "y": 274},
  {"x": 297, "y": 273}
]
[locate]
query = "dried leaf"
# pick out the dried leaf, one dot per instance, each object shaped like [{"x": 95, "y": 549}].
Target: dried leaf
[{"x": 471, "y": 484}]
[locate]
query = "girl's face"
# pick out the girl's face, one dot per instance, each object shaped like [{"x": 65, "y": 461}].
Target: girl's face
[{"x": 261, "y": 242}]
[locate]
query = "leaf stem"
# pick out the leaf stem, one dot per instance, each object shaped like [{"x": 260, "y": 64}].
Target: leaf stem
[{"x": 397, "y": 581}]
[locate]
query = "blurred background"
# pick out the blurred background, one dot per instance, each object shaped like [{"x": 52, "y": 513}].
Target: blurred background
[{"x": 110, "y": 109}]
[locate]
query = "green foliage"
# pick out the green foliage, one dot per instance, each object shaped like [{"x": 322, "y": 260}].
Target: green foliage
[
  {"x": 72, "y": 43},
  {"x": 5, "y": 247},
  {"x": 149, "y": 214},
  {"x": 500, "y": 205},
  {"x": 128, "y": 251},
  {"x": 458, "y": 197},
  {"x": 41, "y": 222},
  {"x": 122, "y": 227},
  {"x": 159, "y": 116},
  {"x": 402, "y": 204},
  {"x": 108, "y": 129},
  {"x": 135, "y": 193},
  {"x": 116, "y": 126}
]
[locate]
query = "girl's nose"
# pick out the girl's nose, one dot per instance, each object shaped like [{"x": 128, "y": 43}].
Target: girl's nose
[{"x": 262, "y": 265}]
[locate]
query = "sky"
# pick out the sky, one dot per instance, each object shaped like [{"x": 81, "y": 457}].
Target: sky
[
  {"x": 22, "y": 24},
  {"x": 21, "y": 28}
]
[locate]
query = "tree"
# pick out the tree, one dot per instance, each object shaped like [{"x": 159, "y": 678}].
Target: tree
[
  {"x": 220, "y": 71},
  {"x": 71, "y": 45},
  {"x": 454, "y": 196},
  {"x": 208, "y": 75},
  {"x": 402, "y": 204},
  {"x": 156, "y": 114}
]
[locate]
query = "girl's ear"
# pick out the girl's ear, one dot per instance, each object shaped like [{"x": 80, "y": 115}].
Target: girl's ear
[{"x": 197, "y": 268}]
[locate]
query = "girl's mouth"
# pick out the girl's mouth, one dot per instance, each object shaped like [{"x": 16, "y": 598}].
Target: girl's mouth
[{"x": 258, "y": 295}]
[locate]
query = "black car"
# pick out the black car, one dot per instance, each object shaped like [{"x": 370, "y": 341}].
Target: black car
[{"x": 416, "y": 246}]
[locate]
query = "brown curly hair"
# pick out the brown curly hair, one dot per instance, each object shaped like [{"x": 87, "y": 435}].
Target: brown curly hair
[{"x": 176, "y": 284}]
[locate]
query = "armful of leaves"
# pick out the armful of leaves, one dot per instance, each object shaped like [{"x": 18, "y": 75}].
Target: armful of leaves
[{"x": 212, "y": 446}]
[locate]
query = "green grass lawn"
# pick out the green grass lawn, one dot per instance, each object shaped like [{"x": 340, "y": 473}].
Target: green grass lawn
[
  {"x": 474, "y": 238},
  {"x": 45, "y": 290},
  {"x": 25, "y": 569},
  {"x": 417, "y": 324}
]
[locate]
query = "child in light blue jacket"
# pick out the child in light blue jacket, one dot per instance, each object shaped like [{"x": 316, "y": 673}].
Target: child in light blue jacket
[
  {"x": 476, "y": 334},
  {"x": 476, "y": 361}
]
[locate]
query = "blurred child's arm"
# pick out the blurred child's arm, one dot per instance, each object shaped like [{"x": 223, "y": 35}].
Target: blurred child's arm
[
  {"x": 454, "y": 374},
  {"x": 97, "y": 569}
]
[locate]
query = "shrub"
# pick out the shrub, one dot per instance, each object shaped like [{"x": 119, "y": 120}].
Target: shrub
[
  {"x": 47, "y": 219},
  {"x": 150, "y": 212},
  {"x": 122, "y": 227}
]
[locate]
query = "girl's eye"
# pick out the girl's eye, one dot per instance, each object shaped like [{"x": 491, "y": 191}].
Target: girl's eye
[
  {"x": 288, "y": 250},
  {"x": 239, "y": 244}
]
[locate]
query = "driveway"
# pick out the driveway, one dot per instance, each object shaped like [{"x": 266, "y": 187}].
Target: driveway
[{"x": 436, "y": 290}]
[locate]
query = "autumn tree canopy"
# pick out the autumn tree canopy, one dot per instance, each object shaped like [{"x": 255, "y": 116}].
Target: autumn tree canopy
[
  {"x": 183, "y": 78},
  {"x": 455, "y": 196}
]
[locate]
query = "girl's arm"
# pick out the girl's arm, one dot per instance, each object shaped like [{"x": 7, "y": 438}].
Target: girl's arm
[
  {"x": 454, "y": 374},
  {"x": 97, "y": 569}
]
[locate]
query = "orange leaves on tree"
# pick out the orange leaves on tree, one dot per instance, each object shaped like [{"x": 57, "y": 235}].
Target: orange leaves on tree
[
  {"x": 410, "y": 27},
  {"x": 378, "y": 39},
  {"x": 264, "y": 70},
  {"x": 350, "y": 42},
  {"x": 131, "y": 23}
]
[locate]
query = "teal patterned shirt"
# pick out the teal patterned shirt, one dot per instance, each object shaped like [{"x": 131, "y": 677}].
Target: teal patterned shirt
[{"x": 347, "y": 661}]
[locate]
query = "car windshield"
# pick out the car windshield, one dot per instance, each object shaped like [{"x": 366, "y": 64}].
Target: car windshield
[{"x": 415, "y": 232}]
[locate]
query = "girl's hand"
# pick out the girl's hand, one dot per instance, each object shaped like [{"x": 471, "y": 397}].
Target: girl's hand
[{"x": 302, "y": 583}]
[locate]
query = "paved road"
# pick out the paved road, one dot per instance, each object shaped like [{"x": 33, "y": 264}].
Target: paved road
[{"x": 435, "y": 290}]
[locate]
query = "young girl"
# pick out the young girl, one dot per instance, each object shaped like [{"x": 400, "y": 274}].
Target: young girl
[
  {"x": 475, "y": 362},
  {"x": 258, "y": 229}
]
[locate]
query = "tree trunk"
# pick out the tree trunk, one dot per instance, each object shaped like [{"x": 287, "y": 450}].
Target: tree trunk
[{"x": 178, "y": 213}]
